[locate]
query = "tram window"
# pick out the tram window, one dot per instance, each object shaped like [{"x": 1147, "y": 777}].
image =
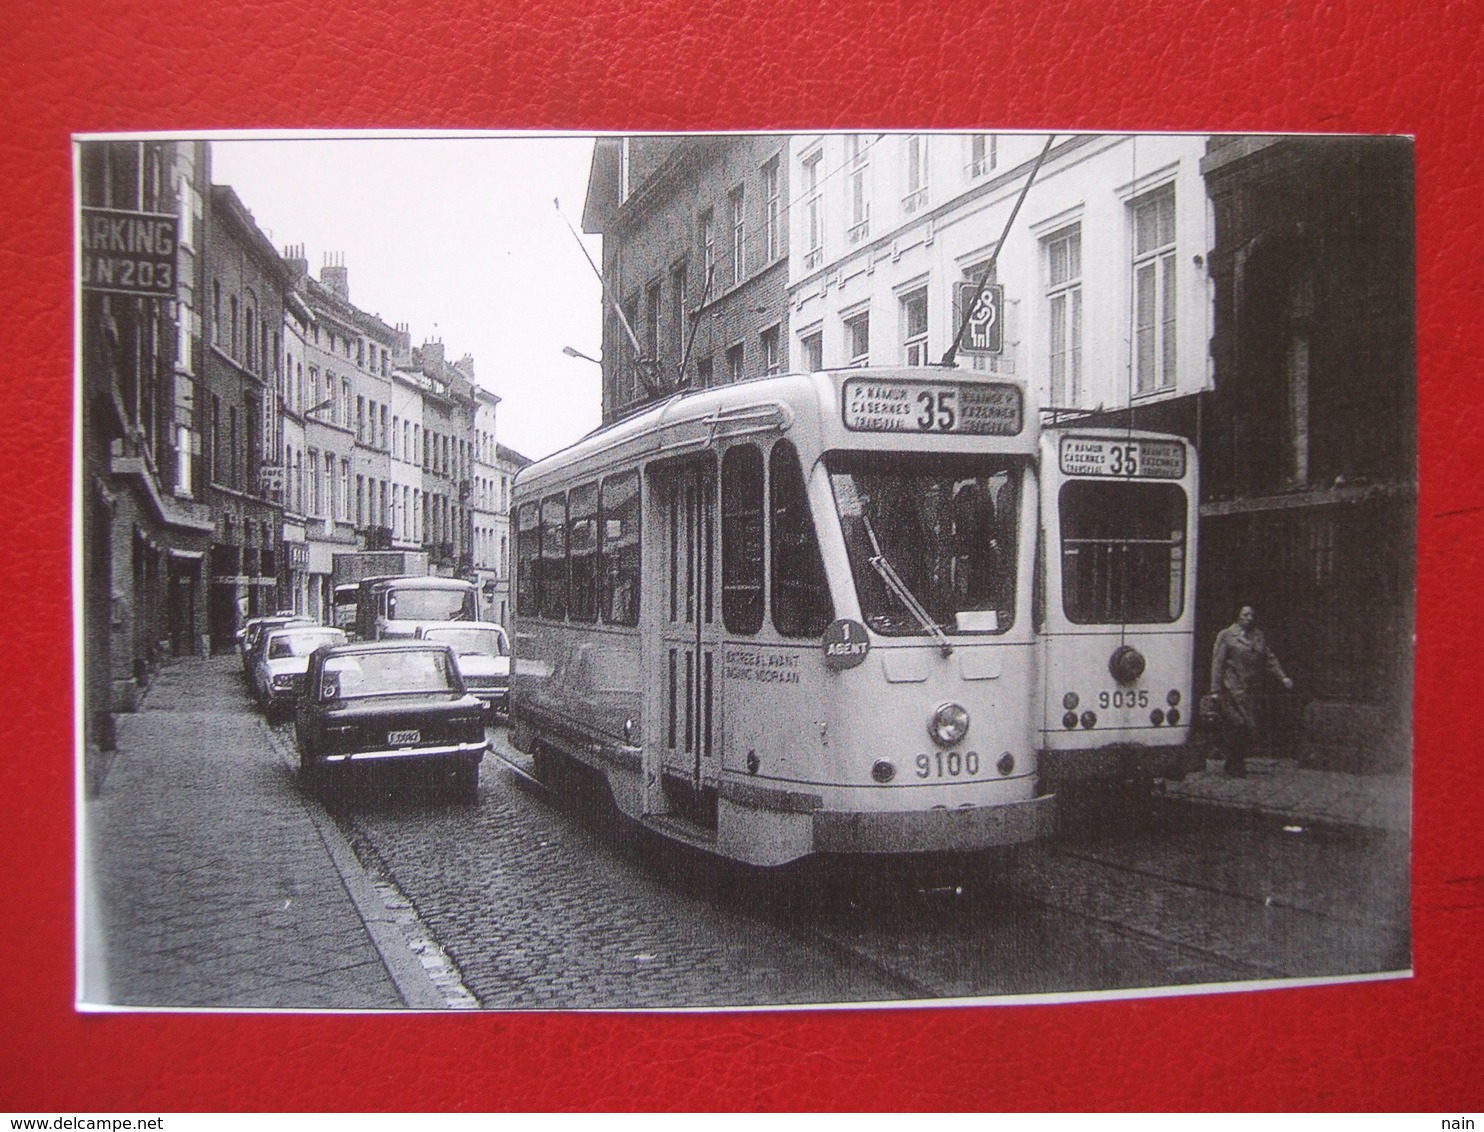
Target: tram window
[
  {"x": 619, "y": 568},
  {"x": 742, "y": 539},
  {"x": 582, "y": 548},
  {"x": 1122, "y": 552},
  {"x": 801, "y": 599},
  {"x": 552, "y": 578},
  {"x": 932, "y": 540},
  {"x": 527, "y": 553}
]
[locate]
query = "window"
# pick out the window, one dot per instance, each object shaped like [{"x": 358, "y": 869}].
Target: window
[
  {"x": 930, "y": 534},
  {"x": 858, "y": 149},
  {"x": 315, "y": 507},
  {"x": 742, "y": 539},
  {"x": 1064, "y": 304},
  {"x": 813, "y": 349},
  {"x": 1123, "y": 552},
  {"x": 772, "y": 236},
  {"x": 915, "y": 328},
  {"x": 1154, "y": 291},
  {"x": 768, "y": 342},
  {"x": 708, "y": 244},
  {"x": 813, "y": 211},
  {"x": 704, "y": 375},
  {"x": 858, "y": 339},
  {"x": 917, "y": 174},
  {"x": 801, "y": 597},
  {"x": 619, "y": 565},
  {"x": 736, "y": 362},
  {"x": 678, "y": 300},
  {"x": 983, "y": 154},
  {"x": 552, "y": 580},
  {"x": 582, "y": 547},
  {"x": 735, "y": 203},
  {"x": 652, "y": 321}
]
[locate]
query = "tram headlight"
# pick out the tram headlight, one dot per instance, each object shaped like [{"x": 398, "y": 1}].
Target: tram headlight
[
  {"x": 949, "y": 724},
  {"x": 1173, "y": 698},
  {"x": 882, "y": 771},
  {"x": 1157, "y": 717},
  {"x": 1069, "y": 720},
  {"x": 1089, "y": 719},
  {"x": 1173, "y": 715},
  {"x": 1070, "y": 701}
]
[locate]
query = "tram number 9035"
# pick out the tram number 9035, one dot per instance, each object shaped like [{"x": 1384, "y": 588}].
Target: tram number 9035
[
  {"x": 948, "y": 764},
  {"x": 1121, "y": 699}
]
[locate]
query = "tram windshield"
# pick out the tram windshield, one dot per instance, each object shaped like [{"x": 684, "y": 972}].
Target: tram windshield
[
  {"x": 932, "y": 540},
  {"x": 1122, "y": 552}
]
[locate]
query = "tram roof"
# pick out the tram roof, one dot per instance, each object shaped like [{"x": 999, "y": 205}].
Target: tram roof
[{"x": 693, "y": 420}]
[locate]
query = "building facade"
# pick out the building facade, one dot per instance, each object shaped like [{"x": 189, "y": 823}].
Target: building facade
[
  {"x": 146, "y": 521},
  {"x": 1103, "y": 303},
  {"x": 695, "y": 253},
  {"x": 246, "y": 282},
  {"x": 1309, "y": 441}
]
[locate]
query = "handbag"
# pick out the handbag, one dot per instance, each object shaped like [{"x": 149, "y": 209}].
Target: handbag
[{"x": 1209, "y": 711}]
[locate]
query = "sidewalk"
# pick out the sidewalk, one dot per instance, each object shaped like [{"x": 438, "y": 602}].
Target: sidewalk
[
  {"x": 213, "y": 883},
  {"x": 1283, "y": 790}
]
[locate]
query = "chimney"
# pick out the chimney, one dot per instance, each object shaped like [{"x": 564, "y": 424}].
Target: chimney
[
  {"x": 465, "y": 366},
  {"x": 402, "y": 353},
  {"x": 334, "y": 274},
  {"x": 432, "y": 355},
  {"x": 294, "y": 256}
]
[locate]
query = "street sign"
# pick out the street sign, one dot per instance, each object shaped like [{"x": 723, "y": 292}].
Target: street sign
[
  {"x": 127, "y": 253},
  {"x": 985, "y": 331}
]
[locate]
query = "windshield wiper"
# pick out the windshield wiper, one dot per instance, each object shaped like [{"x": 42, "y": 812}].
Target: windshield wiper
[{"x": 899, "y": 588}]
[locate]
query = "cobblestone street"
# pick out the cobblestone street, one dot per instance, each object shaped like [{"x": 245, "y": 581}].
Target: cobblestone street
[{"x": 217, "y": 881}]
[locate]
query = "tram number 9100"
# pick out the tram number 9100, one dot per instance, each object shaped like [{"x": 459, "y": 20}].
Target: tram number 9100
[
  {"x": 1121, "y": 699},
  {"x": 948, "y": 764}
]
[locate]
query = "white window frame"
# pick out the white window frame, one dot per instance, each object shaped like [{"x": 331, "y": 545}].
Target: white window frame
[
  {"x": 915, "y": 151},
  {"x": 854, "y": 357},
  {"x": 914, "y": 337},
  {"x": 737, "y": 205},
  {"x": 813, "y": 194},
  {"x": 858, "y": 162},
  {"x": 772, "y": 203},
  {"x": 984, "y": 155},
  {"x": 1064, "y": 315},
  {"x": 1153, "y": 294},
  {"x": 768, "y": 347},
  {"x": 707, "y": 224}
]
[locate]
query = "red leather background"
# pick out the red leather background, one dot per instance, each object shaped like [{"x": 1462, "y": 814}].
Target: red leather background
[{"x": 1406, "y": 66}]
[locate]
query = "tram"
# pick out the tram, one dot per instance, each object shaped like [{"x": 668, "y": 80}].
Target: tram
[
  {"x": 793, "y": 615},
  {"x": 1119, "y": 511}
]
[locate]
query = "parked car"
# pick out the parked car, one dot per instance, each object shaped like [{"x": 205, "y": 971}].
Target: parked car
[
  {"x": 281, "y": 659},
  {"x": 482, "y": 652},
  {"x": 252, "y": 631},
  {"x": 380, "y": 703}
]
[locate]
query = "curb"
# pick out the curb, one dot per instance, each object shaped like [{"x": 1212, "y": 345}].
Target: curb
[{"x": 407, "y": 972}]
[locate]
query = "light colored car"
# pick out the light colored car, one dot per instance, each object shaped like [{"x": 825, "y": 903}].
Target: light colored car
[
  {"x": 251, "y": 634},
  {"x": 279, "y": 663},
  {"x": 482, "y": 651}
]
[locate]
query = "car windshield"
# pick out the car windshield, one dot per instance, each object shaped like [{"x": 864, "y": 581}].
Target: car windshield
[
  {"x": 388, "y": 673},
  {"x": 430, "y": 605},
  {"x": 932, "y": 540},
  {"x": 301, "y": 644},
  {"x": 486, "y": 642}
]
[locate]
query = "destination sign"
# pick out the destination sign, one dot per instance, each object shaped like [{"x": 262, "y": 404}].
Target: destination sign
[
  {"x": 128, "y": 253},
  {"x": 1122, "y": 459},
  {"x": 885, "y": 405}
]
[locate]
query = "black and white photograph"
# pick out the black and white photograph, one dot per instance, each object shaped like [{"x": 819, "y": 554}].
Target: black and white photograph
[{"x": 556, "y": 571}]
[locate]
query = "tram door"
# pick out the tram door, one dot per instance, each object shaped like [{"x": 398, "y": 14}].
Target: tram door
[{"x": 689, "y": 670}]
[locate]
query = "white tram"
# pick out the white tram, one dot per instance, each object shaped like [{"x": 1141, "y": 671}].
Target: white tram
[
  {"x": 1119, "y": 511},
  {"x": 793, "y": 615}
]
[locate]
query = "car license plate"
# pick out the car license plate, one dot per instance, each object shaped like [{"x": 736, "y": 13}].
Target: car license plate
[{"x": 399, "y": 738}]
